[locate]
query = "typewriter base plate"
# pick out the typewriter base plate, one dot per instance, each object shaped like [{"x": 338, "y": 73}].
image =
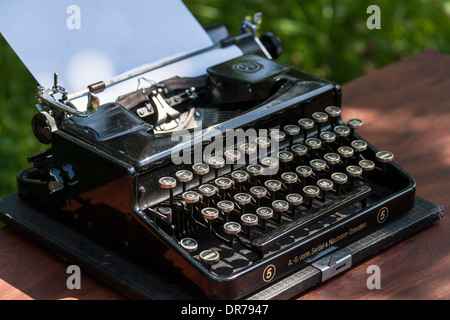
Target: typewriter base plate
[{"x": 141, "y": 282}]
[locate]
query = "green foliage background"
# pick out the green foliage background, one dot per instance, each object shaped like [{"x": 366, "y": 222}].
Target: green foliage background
[{"x": 326, "y": 37}]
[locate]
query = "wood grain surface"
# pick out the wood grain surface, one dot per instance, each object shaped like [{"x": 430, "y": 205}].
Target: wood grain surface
[{"x": 406, "y": 109}]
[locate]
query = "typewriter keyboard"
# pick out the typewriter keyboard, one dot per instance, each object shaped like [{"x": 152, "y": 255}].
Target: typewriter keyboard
[{"x": 260, "y": 206}]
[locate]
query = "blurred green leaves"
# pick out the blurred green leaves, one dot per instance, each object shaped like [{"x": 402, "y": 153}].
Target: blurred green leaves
[{"x": 326, "y": 37}]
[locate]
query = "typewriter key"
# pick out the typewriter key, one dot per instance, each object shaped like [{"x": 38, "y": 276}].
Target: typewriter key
[
  {"x": 366, "y": 165},
  {"x": 289, "y": 178},
  {"x": 242, "y": 199},
  {"x": 320, "y": 118},
  {"x": 304, "y": 172},
  {"x": 325, "y": 185},
  {"x": 313, "y": 143},
  {"x": 354, "y": 124},
  {"x": 226, "y": 206},
  {"x": 291, "y": 130},
  {"x": 216, "y": 163},
  {"x": 353, "y": 172},
  {"x": 258, "y": 192},
  {"x": 280, "y": 206},
  {"x": 210, "y": 214},
  {"x": 264, "y": 213},
  {"x": 328, "y": 136},
  {"x": 332, "y": 159},
  {"x": 340, "y": 179},
  {"x": 318, "y": 165},
  {"x": 232, "y": 228},
  {"x": 263, "y": 142},
  {"x": 248, "y": 149},
  {"x": 359, "y": 146},
  {"x": 305, "y": 124},
  {"x": 232, "y": 156},
  {"x": 285, "y": 156},
  {"x": 209, "y": 257},
  {"x": 294, "y": 200},
  {"x": 277, "y": 135},
  {"x": 207, "y": 191},
  {"x": 384, "y": 157},
  {"x": 255, "y": 170},
  {"x": 184, "y": 176},
  {"x": 341, "y": 131},
  {"x": 239, "y": 178},
  {"x": 190, "y": 197},
  {"x": 334, "y": 113},
  {"x": 249, "y": 219},
  {"x": 223, "y": 183},
  {"x": 189, "y": 244},
  {"x": 311, "y": 192},
  {"x": 168, "y": 183},
  {"x": 273, "y": 186},
  {"x": 200, "y": 169},
  {"x": 270, "y": 165},
  {"x": 345, "y": 152}
]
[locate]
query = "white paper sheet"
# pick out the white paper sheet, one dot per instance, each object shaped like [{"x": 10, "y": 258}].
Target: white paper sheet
[{"x": 87, "y": 41}]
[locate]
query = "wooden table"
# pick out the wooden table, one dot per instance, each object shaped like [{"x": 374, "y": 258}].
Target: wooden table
[{"x": 406, "y": 109}]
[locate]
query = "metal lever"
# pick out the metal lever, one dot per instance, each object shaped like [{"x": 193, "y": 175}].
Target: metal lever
[{"x": 163, "y": 108}]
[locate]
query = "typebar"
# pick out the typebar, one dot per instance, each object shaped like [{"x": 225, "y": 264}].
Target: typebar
[{"x": 284, "y": 231}]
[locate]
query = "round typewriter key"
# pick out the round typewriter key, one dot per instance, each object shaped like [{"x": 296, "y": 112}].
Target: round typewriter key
[
  {"x": 341, "y": 131},
  {"x": 225, "y": 206},
  {"x": 345, "y": 152},
  {"x": 332, "y": 158},
  {"x": 189, "y": 244},
  {"x": 232, "y": 156},
  {"x": 249, "y": 219},
  {"x": 272, "y": 185},
  {"x": 311, "y": 192},
  {"x": 305, "y": 124},
  {"x": 242, "y": 198},
  {"x": 258, "y": 191},
  {"x": 328, "y": 136},
  {"x": 216, "y": 163},
  {"x": 285, "y": 156},
  {"x": 239, "y": 176},
  {"x": 210, "y": 213},
  {"x": 359, "y": 145},
  {"x": 280, "y": 205},
  {"x": 384, "y": 156},
  {"x": 313, "y": 143},
  {"x": 167, "y": 183},
  {"x": 304, "y": 171},
  {"x": 289, "y": 177},
  {"x": 269, "y": 162},
  {"x": 277, "y": 135},
  {"x": 190, "y": 197},
  {"x": 200, "y": 169},
  {"x": 299, "y": 150},
  {"x": 255, "y": 170},
  {"x": 339, "y": 178},
  {"x": 209, "y": 257},
  {"x": 354, "y": 123},
  {"x": 325, "y": 184},
  {"x": 207, "y": 190},
  {"x": 264, "y": 213},
  {"x": 263, "y": 142},
  {"x": 320, "y": 118},
  {"x": 223, "y": 183},
  {"x": 248, "y": 148},
  {"x": 333, "y": 111},
  {"x": 291, "y": 129},
  {"x": 184, "y": 176},
  {"x": 232, "y": 228},
  {"x": 366, "y": 165},
  {"x": 318, "y": 165},
  {"x": 354, "y": 171},
  {"x": 294, "y": 199}
]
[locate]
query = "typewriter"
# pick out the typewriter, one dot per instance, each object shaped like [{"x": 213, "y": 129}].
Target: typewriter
[{"x": 231, "y": 180}]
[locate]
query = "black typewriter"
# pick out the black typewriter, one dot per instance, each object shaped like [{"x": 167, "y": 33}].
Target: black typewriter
[{"x": 232, "y": 180}]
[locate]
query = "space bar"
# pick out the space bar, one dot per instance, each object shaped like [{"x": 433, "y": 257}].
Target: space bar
[{"x": 294, "y": 226}]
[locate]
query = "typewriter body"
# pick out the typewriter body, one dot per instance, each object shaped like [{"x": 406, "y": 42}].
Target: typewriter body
[{"x": 231, "y": 180}]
